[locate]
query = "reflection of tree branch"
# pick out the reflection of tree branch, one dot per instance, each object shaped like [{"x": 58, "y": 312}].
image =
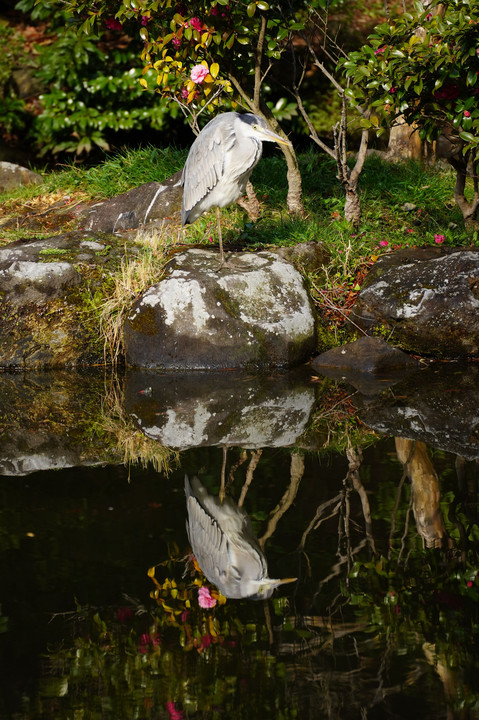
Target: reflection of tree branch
[
  {"x": 394, "y": 512},
  {"x": 355, "y": 458},
  {"x": 231, "y": 475},
  {"x": 317, "y": 520},
  {"x": 255, "y": 456},
  {"x": 296, "y": 474},
  {"x": 268, "y": 623}
]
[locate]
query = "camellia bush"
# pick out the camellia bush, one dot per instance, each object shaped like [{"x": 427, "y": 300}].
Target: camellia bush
[
  {"x": 208, "y": 53},
  {"x": 423, "y": 67},
  {"x": 91, "y": 96}
]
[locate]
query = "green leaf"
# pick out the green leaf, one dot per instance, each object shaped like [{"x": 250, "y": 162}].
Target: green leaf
[
  {"x": 468, "y": 137},
  {"x": 471, "y": 77},
  {"x": 263, "y": 5},
  {"x": 251, "y": 9}
]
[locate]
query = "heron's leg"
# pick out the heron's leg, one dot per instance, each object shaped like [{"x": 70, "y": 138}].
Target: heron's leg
[
  {"x": 223, "y": 474},
  {"x": 220, "y": 238}
]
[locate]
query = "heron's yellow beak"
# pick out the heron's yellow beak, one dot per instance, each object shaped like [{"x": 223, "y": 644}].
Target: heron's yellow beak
[{"x": 270, "y": 135}]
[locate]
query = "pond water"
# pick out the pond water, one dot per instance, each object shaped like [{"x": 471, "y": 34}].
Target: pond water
[{"x": 365, "y": 492}]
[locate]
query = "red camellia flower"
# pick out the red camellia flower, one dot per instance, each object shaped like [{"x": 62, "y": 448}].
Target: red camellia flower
[
  {"x": 449, "y": 91},
  {"x": 113, "y": 24}
]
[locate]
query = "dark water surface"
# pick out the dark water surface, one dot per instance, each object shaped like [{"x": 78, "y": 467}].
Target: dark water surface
[{"x": 99, "y": 602}]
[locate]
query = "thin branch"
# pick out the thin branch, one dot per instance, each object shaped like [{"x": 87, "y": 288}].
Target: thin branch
[{"x": 258, "y": 61}]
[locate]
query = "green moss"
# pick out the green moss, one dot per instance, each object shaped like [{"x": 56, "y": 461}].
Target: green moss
[{"x": 144, "y": 322}]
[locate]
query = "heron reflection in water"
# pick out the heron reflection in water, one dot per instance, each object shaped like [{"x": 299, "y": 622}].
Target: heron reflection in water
[{"x": 225, "y": 546}]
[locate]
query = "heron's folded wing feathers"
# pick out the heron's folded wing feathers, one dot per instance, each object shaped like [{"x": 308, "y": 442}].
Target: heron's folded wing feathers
[{"x": 205, "y": 163}]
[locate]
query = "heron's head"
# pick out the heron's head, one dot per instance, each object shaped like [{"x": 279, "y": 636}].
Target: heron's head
[
  {"x": 255, "y": 127},
  {"x": 266, "y": 587}
]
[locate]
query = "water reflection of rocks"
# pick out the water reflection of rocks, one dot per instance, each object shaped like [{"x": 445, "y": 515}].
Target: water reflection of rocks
[{"x": 382, "y": 538}]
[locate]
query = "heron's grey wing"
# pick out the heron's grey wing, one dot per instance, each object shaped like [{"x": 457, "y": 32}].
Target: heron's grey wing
[
  {"x": 209, "y": 544},
  {"x": 204, "y": 166}
]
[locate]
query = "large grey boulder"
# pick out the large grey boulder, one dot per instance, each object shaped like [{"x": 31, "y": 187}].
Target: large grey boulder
[
  {"x": 425, "y": 299},
  {"x": 255, "y": 312},
  {"x": 47, "y": 316},
  {"x": 144, "y": 204}
]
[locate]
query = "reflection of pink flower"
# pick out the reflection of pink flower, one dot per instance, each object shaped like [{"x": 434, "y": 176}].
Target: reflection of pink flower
[
  {"x": 147, "y": 641},
  {"x": 173, "y": 712},
  {"x": 198, "y": 73},
  {"x": 383, "y": 243},
  {"x": 204, "y": 598},
  {"x": 113, "y": 24},
  {"x": 206, "y": 641},
  {"x": 439, "y": 239},
  {"x": 196, "y": 24}
]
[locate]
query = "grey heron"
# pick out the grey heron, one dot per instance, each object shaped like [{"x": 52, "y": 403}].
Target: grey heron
[
  {"x": 220, "y": 162},
  {"x": 225, "y": 546}
]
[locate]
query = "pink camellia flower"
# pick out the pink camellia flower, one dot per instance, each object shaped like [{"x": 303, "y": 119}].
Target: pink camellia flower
[
  {"x": 176, "y": 42},
  {"x": 198, "y": 74},
  {"x": 196, "y": 24},
  {"x": 184, "y": 93},
  {"x": 204, "y": 598},
  {"x": 380, "y": 50},
  {"x": 145, "y": 20},
  {"x": 113, "y": 24},
  {"x": 467, "y": 113},
  {"x": 383, "y": 243},
  {"x": 392, "y": 90},
  {"x": 439, "y": 239}
]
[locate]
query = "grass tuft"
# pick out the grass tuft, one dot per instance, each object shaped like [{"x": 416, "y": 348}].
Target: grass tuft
[{"x": 134, "y": 276}]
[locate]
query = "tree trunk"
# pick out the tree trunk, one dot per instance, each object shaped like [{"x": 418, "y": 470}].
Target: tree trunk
[
  {"x": 294, "y": 199},
  {"x": 404, "y": 142},
  {"x": 469, "y": 209},
  {"x": 352, "y": 206}
]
